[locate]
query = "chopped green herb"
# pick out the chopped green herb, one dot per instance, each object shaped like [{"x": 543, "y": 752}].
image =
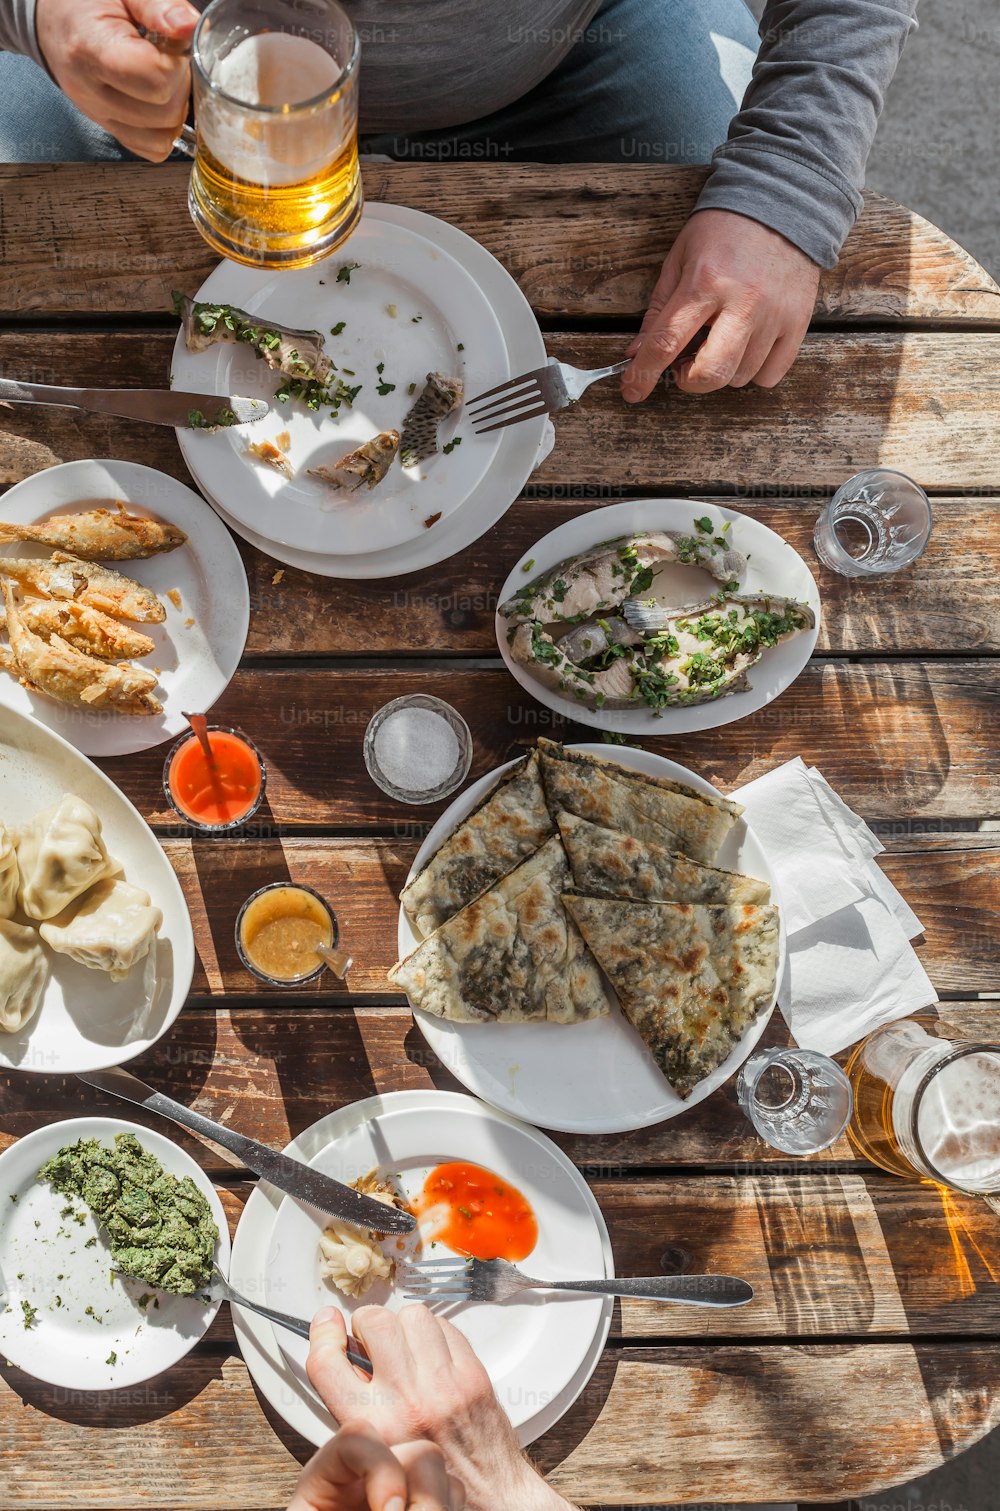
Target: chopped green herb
[
  {"x": 704, "y": 525},
  {"x": 449, "y": 448},
  {"x": 527, "y": 566},
  {"x": 30, "y": 1314},
  {"x": 112, "y": 1358},
  {"x": 460, "y": 347},
  {"x": 344, "y": 275},
  {"x": 416, "y": 318},
  {"x": 411, "y": 388},
  {"x": 335, "y": 330}
]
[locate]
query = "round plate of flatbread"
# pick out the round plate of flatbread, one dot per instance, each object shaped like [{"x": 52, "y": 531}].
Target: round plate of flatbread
[{"x": 591, "y": 941}]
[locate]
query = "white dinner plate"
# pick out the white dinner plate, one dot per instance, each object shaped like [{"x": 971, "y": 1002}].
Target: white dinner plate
[
  {"x": 199, "y": 645},
  {"x": 410, "y": 308},
  {"x": 530, "y": 1350},
  {"x": 772, "y": 567},
  {"x": 87, "y": 1021},
  {"x": 594, "y": 1077},
  {"x": 276, "y": 1379},
  {"x": 45, "y": 1260},
  {"x": 519, "y": 449}
]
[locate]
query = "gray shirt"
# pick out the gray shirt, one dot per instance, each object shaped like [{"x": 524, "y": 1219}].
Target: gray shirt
[{"x": 796, "y": 151}]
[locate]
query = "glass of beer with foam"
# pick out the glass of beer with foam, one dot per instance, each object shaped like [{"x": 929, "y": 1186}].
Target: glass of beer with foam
[
  {"x": 927, "y": 1105},
  {"x": 275, "y": 181}
]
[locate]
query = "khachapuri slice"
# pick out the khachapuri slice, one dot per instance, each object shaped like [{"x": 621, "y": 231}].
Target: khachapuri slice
[
  {"x": 608, "y": 863},
  {"x": 509, "y": 824},
  {"x": 605, "y": 793},
  {"x": 513, "y": 955},
  {"x": 690, "y": 978}
]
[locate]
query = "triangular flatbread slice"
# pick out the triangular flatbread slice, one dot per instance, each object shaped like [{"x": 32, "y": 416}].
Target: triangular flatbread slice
[
  {"x": 512, "y": 956},
  {"x": 608, "y": 863},
  {"x": 508, "y": 825},
  {"x": 690, "y": 978},
  {"x": 648, "y": 807}
]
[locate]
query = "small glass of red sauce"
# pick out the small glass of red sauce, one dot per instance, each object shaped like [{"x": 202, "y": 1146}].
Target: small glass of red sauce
[{"x": 215, "y": 797}]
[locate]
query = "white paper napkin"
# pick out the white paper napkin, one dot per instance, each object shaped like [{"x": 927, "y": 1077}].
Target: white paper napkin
[{"x": 850, "y": 965}]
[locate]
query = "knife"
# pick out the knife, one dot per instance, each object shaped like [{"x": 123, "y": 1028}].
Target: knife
[
  {"x": 160, "y": 406},
  {"x": 287, "y": 1174}
]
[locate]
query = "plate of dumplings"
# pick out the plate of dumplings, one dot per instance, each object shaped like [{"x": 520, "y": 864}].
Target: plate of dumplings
[{"x": 96, "y": 946}]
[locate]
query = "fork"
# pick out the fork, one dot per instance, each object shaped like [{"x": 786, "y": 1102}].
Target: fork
[
  {"x": 542, "y": 391},
  {"x": 497, "y": 1280}
]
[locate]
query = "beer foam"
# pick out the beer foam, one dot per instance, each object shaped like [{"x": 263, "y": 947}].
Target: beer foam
[
  {"x": 959, "y": 1122},
  {"x": 273, "y": 68}
]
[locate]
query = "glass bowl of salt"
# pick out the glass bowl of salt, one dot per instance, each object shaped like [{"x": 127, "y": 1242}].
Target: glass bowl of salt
[{"x": 418, "y": 749}]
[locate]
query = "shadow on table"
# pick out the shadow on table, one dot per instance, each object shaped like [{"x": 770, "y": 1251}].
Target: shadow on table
[{"x": 126, "y": 1406}]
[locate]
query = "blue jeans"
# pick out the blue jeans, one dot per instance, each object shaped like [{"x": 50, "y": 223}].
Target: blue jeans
[{"x": 649, "y": 81}]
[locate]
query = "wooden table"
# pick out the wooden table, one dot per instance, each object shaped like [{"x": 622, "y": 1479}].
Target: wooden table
[{"x": 870, "y": 1355}]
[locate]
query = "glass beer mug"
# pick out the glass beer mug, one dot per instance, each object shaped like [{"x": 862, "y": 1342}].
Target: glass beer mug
[
  {"x": 275, "y": 181},
  {"x": 927, "y": 1104}
]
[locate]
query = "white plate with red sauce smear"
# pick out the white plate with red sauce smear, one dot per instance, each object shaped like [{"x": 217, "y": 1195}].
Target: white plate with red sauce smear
[{"x": 532, "y": 1347}]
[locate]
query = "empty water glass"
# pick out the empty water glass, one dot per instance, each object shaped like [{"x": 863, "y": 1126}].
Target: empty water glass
[
  {"x": 799, "y": 1101},
  {"x": 879, "y": 521}
]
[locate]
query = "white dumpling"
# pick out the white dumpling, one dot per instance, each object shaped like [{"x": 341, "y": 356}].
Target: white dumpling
[
  {"x": 59, "y": 855},
  {"x": 351, "y": 1260},
  {"x": 23, "y": 971},
  {"x": 109, "y": 930},
  {"x": 8, "y": 874}
]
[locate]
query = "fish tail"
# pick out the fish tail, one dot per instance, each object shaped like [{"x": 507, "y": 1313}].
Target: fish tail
[{"x": 10, "y": 533}]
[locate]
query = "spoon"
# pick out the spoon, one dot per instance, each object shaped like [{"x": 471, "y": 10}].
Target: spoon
[
  {"x": 338, "y": 960},
  {"x": 199, "y": 723}
]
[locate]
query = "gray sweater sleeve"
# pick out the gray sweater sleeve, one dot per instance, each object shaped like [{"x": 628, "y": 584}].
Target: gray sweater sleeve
[
  {"x": 17, "y": 29},
  {"x": 796, "y": 151}
]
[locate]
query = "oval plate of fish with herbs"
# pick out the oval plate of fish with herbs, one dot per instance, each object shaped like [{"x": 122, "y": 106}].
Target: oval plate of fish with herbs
[
  {"x": 366, "y": 361},
  {"x": 658, "y": 616}
]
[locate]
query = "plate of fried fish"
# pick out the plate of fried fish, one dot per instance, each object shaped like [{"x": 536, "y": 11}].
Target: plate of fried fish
[
  {"x": 123, "y": 602},
  {"x": 365, "y": 361},
  {"x": 591, "y": 943},
  {"x": 658, "y": 616}
]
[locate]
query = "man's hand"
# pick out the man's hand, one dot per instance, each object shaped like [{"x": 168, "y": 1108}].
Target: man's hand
[
  {"x": 751, "y": 286},
  {"x": 356, "y": 1471},
  {"x": 111, "y": 73},
  {"x": 428, "y": 1383}
]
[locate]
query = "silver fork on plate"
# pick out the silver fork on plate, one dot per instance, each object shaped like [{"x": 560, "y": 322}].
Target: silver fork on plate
[
  {"x": 448, "y": 1279},
  {"x": 219, "y": 1289},
  {"x": 542, "y": 391}
]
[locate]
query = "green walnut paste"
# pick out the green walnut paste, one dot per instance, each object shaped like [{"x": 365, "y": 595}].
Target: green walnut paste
[{"x": 161, "y": 1228}]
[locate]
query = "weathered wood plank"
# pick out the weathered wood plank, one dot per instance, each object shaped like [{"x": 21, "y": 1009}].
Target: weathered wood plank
[
  {"x": 273, "y": 1072},
  {"x": 947, "y": 602},
  {"x": 924, "y": 402},
  {"x": 109, "y": 239},
  {"x": 754, "y": 1422},
  {"x": 902, "y": 740}
]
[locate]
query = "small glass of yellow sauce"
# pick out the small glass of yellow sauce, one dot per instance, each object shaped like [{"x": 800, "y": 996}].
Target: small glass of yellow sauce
[{"x": 278, "y": 931}]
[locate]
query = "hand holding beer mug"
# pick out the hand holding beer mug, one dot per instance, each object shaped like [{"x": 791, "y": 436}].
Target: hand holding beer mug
[
  {"x": 275, "y": 182},
  {"x": 927, "y": 1104}
]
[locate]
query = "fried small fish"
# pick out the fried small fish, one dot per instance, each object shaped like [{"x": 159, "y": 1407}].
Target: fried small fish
[
  {"x": 368, "y": 464},
  {"x": 84, "y": 628},
  {"x": 440, "y": 396},
  {"x": 297, "y": 353},
  {"x": 53, "y": 667},
  {"x": 99, "y": 587},
  {"x": 100, "y": 534},
  {"x": 267, "y": 452}
]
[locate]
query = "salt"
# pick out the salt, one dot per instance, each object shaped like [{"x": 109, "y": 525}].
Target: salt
[{"x": 416, "y": 749}]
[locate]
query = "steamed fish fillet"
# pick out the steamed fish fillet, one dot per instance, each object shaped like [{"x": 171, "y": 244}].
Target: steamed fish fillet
[
  {"x": 367, "y": 464},
  {"x": 85, "y": 629},
  {"x": 53, "y": 667},
  {"x": 296, "y": 353},
  {"x": 99, "y": 587},
  {"x": 601, "y": 579},
  {"x": 439, "y": 397},
  {"x": 100, "y": 534}
]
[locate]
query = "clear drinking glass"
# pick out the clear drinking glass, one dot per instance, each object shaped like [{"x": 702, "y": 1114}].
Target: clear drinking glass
[
  {"x": 799, "y": 1101},
  {"x": 275, "y": 181},
  {"x": 879, "y": 521},
  {"x": 927, "y": 1105}
]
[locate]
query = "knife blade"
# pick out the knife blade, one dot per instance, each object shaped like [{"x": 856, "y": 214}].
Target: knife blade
[
  {"x": 158, "y": 406},
  {"x": 289, "y": 1175}
]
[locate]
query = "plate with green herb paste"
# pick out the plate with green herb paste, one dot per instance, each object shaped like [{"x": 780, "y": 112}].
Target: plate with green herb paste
[
  {"x": 108, "y": 1232},
  {"x": 737, "y": 617}
]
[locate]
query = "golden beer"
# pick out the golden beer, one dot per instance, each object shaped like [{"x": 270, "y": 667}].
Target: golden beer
[
  {"x": 275, "y": 181},
  {"x": 927, "y": 1104}
]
